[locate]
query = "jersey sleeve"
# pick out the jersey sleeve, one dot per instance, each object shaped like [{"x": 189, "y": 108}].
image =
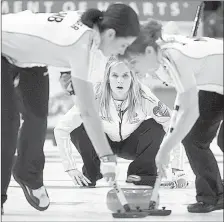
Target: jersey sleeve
[
  {"x": 156, "y": 109},
  {"x": 70, "y": 121}
]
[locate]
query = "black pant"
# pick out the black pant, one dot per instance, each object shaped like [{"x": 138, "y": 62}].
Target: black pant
[
  {"x": 208, "y": 182},
  {"x": 220, "y": 138},
  {"x": 141, "y": 147},
  {"x": 30, "y": 98}
]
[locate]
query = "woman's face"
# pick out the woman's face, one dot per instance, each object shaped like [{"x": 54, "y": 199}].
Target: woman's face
[
  {"x": 144, "y": 62},
  {"x": 111, "y": 45},
  {"x": 120, "y": 81}
]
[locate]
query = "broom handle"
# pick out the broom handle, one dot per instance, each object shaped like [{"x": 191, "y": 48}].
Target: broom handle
[
  {"x": 197, "y": 19},
  {"x": 155, "y": 191},
  {"x": 121, "y": 197}
]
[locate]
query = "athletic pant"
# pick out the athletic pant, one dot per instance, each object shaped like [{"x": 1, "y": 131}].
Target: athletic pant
[
  {"x": 141, "y": 147},
  {"x": 220, "y": 138},
  {"x": 208, "y": 182},
  {"x": 29, "y": 98}
]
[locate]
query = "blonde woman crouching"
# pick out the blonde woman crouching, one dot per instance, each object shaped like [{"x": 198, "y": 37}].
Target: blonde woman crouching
[{"x": 134, "y": 121}]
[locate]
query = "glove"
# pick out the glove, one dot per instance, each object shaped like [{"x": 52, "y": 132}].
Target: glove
[
  {"x": 66, "y": 82},
  {"x": 108, "y": 167},
  {"x": 78, "y": 178}
]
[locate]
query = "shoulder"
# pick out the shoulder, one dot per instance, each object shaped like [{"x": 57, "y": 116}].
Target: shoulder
[
  {"x": 79, "y": 48},
  {"x": 193, "y": 48},
  {"x": 147, "y": 95},
  {"x": 84, "y": 39}
]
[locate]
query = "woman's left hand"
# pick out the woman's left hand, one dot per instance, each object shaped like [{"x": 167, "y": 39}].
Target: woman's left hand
[
  {"x": 66, "y": 82},
  {"x": 162, "y": 162},
  {"x": 78, "y": 178}
]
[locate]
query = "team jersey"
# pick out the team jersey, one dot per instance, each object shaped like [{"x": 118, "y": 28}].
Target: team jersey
[
  {"x": 120, "y": 127},
  {"x": 46, "y": 38},
  {"x": 187, "y": 62}
]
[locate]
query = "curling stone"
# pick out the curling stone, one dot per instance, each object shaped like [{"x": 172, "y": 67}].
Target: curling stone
[{"x": 137, "y": 198}]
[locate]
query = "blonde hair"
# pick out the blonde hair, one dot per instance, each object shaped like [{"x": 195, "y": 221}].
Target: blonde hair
[{"x": 103, "y": 93}]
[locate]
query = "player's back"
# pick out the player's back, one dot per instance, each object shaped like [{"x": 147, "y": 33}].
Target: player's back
[
  {"x": 40, "y": 37},
  {"x": 204, "y": 56}
]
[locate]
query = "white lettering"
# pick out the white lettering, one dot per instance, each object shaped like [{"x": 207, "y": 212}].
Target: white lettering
[
  {"x": 134, "y": 6},
  {"x": 48, "y": 5},
  {"x": 175, "y": 9},
  {"x": 162, "y": 6},
  {"x": 102, "y": 6},
  {"x": 83, "y": 6},
  {"x": 147, "y": 8},
  {"x": 5, "y": 7},
  {"x": 17, "y": 6},
  {"x": 69, "y": 6},
  {"x": 33, "y": 6}
]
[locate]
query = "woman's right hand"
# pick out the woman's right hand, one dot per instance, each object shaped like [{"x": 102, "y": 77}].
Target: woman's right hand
[
  {"x": 78, "y": 178},
  {"x": 108, "y": 168}
]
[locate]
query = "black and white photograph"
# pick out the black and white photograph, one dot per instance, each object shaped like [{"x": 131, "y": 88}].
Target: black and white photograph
[{"x": 112, "y": 110}]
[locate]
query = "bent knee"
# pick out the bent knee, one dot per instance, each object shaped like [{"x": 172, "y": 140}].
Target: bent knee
[{"x": 192, "y": 143}]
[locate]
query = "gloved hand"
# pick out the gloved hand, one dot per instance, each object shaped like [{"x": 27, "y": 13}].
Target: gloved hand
[
  {"x": 78, "y": 178},
  {"x": 108, "y": 167},
  {"x": 66, "y": 82}
]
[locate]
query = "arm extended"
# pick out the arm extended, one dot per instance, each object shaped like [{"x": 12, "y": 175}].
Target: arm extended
[
  {"x": 182, "y": 120},
  {"x": 70, "y": 121},
  {"x": 186, "y": 109},
  {"x": 90, "y": 117},
  {"x": 162, "y": 114},
  {"x": 81, "y": 71}
]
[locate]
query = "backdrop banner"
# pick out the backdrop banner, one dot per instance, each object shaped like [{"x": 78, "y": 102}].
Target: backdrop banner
[{"x": 162, "y": 10}]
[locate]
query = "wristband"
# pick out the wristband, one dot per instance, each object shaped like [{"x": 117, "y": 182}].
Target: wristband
[{"x": 108, "y": 158}]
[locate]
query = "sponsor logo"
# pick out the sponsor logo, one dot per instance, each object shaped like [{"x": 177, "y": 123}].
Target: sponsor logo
[{"x": 162, "y": 10}]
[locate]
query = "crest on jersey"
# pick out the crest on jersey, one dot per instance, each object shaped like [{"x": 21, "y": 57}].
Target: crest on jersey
[{"x": 161, "y": 110}]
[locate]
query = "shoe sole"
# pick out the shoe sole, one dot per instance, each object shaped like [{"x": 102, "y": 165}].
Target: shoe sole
[
  {"x": 214, "y": 209},
  {"x": 28, "y": 198}
]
